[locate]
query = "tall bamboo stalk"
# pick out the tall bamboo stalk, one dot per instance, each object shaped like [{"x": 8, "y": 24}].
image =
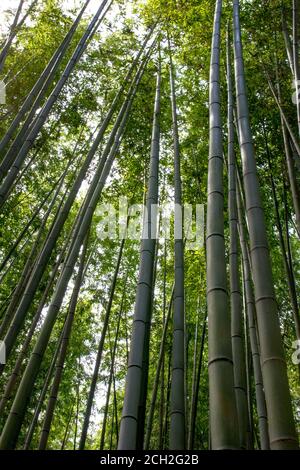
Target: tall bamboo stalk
[
  {"x": 296, "y": 57},
  {"x": 194, "y": 377},
  {"x": 290, "y": 163},
  {"x": 281, "y": 422},
  {"x": 287, "y": 265},
  {"x": 162, "y": 384},
  {"x": 43, "y": 393},
  {"x": 60, "y": 361},
  {"x": 253, "y": 335},
  {"x": 107, "y": 159},
  {"x": 15, "y": 27},
  {"x": 237, "y": 328},
  {"x": 44, "y": 113},
  {"x": 34, "y": 98},
  {"x": 145, "y": 365},
  {"x": 157, "y": 375},
  {"x": 27, "y": 270},
  {"x": 177, "y": 400},
  {"x": 68, "y": 427},
  {"x": 110, "y": 379},
  {"x": 287, "y": 41},
  {"x": 223, "y": 415},
  {"x": 143, "y": 303},
  {"x": 94, "y": 381},
  {"x": 194, "y": 405},
  {"x": 18, "y": 364},
  {"x": 15, "y": 418}
]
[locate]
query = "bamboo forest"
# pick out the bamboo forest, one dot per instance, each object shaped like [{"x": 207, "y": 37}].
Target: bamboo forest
[{"x": 149, "y": 225}]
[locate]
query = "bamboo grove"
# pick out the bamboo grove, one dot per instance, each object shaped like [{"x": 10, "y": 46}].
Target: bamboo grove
[{"x": 114, "y": 341}]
